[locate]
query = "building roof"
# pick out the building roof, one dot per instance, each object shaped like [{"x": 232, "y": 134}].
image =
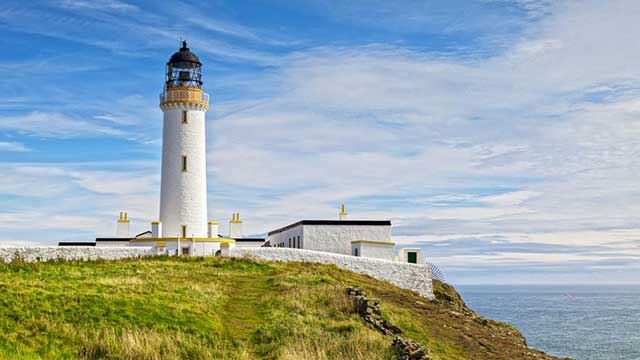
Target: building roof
[
  {"x": 248, "y": 239},
  {"x": 76, "y": 243},
  {"x": 148, "y": 232},
  {"x": 184, "y": 58},
  {"x": 334, "y": 222},
  {"x": 113, "y": 239}
]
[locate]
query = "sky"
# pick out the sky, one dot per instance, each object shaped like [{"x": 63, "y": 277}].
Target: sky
[{"x": 499, "y": 136}]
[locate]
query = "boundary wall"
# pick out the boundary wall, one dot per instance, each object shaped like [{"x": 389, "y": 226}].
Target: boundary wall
[
  {"x": 46, "y": 253},
  {"x": 404, "y": 275}
]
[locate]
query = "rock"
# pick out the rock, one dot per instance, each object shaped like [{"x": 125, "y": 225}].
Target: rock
[{"x": 369, "y": 311}]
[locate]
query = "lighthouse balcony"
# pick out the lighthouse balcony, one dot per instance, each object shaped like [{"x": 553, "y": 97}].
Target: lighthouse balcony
[{"x": 184, "y": 95}]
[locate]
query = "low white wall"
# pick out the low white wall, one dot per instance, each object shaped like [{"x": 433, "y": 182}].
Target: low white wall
[
  {"x": 45, "y": 253},
  {"x": 407, "y": 276}
]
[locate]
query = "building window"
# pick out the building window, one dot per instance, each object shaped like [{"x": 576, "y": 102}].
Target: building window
[
  {"x": 185, "y": 120},
  {"x": 184, "y": 163},
  {"x": 289, "y": 242},
  {"x": 184, "y": 231},
  {"x": 299, "y": 247},
  {"x": 355, "y": 252}
]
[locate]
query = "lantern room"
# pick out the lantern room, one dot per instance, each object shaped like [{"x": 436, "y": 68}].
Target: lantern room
[{"x": 184, "y": 69}]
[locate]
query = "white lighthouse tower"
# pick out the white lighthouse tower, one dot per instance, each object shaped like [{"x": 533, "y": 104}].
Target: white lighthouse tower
[{"x": 183, "y": 197}]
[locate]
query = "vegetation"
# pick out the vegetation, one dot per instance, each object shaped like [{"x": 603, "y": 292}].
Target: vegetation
[{"x": 219, "y": 308}]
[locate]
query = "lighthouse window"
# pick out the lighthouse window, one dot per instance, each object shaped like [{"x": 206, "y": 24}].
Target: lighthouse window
[
  {"x": 184, "y": 231},
  {"x": 184, "y": 118},
  {"x": 184, "y": 163}
]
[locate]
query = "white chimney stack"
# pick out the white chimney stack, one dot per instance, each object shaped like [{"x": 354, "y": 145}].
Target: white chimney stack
[
  {"x": 235, "y": 226},
  {"x": 213, "y": 230},
  {"x": 122, "y": 227}
]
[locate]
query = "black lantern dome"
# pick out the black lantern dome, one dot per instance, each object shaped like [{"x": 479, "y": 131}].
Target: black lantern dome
[{"x": 184, "y": 69}]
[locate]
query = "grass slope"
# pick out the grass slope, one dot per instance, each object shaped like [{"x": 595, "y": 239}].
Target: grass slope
[{"x": 218, "y": 308}]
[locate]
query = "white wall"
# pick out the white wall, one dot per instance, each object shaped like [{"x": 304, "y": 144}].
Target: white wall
[
  {"x": 183, "y": 195},
  {"x": 337, "y": 238},
  {"x": 249, "y": 243},
  {"x": 284, "y": 236},
  {"x": 45, "y": 253},
  {"x": 407, "y": 276},
  {"x": 375, "y": 251},
  {"x": 112, "y": 243}
]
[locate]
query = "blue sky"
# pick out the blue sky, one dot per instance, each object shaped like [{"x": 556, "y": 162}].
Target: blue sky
[{"x": 500, "y": 136}]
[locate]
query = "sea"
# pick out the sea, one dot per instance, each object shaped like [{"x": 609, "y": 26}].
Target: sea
[{"x": 580, "y": 322}]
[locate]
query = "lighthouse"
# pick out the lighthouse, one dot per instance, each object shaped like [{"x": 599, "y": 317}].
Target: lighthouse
[{"x": 183, "y": 189}]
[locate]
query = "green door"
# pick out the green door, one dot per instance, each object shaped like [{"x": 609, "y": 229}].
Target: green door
[{"x": 412, "y": 257}]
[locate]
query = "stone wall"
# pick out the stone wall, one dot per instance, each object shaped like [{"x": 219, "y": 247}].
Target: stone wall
[
  {"x": 45, "y": 253},
  {"x": 407, "y": 276}
]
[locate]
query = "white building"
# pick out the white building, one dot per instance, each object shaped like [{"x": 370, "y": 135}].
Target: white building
[
  {"x": 330, "y": 235},
  {"x": 411, "y": 255},
  {"x": 373, "y": 249}
]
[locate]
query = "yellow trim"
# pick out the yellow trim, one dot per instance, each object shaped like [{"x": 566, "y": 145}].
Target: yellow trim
[
  {"x": 156, "y": 222},
  {"x": 124, "y": 217},
  {"x": 343, "y": 210},
  {"x": 184, "y": 95},
  {"x": 213, "y": 222},
  {"x": 235, "y": 218},
  {"x": 373, "y": 242},
  {"x": 161, "y": 244},
  {"x": 204, "y": 104},
  {"x": 194, "y": 239},
  {"x": 188, "y": 88}
]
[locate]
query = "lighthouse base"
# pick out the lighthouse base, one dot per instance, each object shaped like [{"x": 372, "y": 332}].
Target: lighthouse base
[{"x": 187, "y": 246}]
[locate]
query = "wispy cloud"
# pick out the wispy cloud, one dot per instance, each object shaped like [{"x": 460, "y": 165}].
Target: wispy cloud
[
  {"x": 55, "y": 125},
  {"x": 13, "y": 146},
  {"x": 107, "y": 5}
]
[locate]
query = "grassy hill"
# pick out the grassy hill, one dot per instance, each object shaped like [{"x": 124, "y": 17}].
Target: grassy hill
[{"x": 218, "y": 308}]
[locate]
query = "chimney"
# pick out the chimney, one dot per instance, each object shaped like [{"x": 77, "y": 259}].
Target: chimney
[
  {"x": 235, "y": 226},
  {"x": 213, "y": 229},
  {"x": 122, "y": 227}
]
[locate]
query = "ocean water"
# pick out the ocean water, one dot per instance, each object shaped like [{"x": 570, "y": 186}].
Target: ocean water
[{"x": 581, "y": 322}]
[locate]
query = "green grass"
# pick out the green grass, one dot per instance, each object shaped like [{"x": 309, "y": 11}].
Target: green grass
[{"x": 218, "y": 308}]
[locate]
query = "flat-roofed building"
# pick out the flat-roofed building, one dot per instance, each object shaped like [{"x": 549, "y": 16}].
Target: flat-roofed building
[{"x": 333, "y": 236}]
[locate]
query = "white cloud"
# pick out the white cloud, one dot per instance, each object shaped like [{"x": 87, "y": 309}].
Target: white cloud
[
  {"x": 55, "y": 125},
  {"x": 13, "y": 147},
  {"x": 106, "y": 5}
]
